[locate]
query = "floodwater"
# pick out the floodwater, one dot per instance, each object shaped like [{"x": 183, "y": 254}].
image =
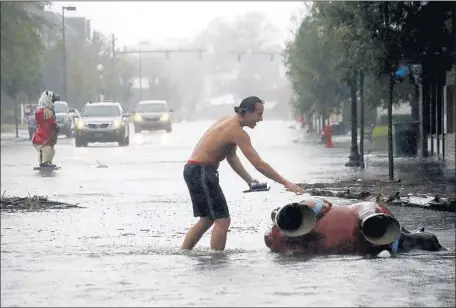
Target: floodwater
[{"x": 122, "y": 248}]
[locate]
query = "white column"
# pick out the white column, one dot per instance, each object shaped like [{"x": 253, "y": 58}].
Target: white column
[{"x": 22, "y": 113}]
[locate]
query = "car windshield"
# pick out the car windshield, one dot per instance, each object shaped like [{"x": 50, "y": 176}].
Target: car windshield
[
  {"x": 100, "y": 111},
  {"x": 60, "y": 108},
  {"x": 151, "y": 107}
]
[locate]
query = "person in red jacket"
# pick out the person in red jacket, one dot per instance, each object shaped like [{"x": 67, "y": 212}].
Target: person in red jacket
[{"x": 45, "y": 136}]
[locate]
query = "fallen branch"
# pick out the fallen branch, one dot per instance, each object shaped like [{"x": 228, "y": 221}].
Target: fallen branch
[{"x": 33, "y": 203}]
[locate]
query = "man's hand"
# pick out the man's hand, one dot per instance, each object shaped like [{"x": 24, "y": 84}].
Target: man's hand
[{"x": 294, "y": 188}]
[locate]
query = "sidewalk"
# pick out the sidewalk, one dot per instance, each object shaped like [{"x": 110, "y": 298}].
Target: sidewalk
[
  {"x": 411, "y": 174},
  {"x": 415, "y": 175},
  {"x": 11, "y": 136}
]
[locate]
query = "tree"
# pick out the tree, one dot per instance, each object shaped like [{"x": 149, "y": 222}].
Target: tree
[
  {"x": 21, "y": 48},
  {"x": 344, "y": 25},
  {"x": 249, "y": 63},
  {"x": 373, "y": 40},
  {"x": 311, "y": 60},
  {"x": 84, "y": 80}
]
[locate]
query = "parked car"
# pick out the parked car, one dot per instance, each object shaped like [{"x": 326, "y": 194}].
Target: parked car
[
  {"x": 152, "y": 115},
  {"x": 65, "y": 121},
  {"x": 102, "y": 122},
  {"x": 31, "y": 123},
  {"x": 74, "y": 113}
]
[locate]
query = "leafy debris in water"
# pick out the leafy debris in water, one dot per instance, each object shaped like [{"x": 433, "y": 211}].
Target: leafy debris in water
[
  {"x": 32, "y": 203},
  {"x": 402, "y": 193}
]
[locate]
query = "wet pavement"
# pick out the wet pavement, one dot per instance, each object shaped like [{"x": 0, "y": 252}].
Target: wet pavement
[{"x": 122, "y": 249}]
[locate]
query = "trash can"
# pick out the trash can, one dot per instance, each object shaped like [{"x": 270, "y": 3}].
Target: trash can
[{"x": 405, "y": 138}]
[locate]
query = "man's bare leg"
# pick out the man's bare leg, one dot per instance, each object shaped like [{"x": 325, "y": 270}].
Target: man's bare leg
[
  {"x": 51, "y": 154},
  {"x": 219, "y": 233},
  {"x": 196, "y": 232}
]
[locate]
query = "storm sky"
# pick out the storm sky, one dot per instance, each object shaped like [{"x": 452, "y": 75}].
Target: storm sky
[{"x": 134, "y": 21}]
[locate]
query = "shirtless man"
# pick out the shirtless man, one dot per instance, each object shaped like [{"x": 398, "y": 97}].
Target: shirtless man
[{"x": 201, "y": 175}]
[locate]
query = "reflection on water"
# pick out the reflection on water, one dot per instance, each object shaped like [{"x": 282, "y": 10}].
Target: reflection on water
[{"x": 42, "y": 256}]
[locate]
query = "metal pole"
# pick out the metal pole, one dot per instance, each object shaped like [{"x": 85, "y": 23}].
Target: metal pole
[
  {"x": 354, "y": 158},
  {"x": 140, "y": 74},
  {"x": 114, "y": 94},
  {"x": 420, "y": 116},
  {"x": 16, "y": 116},
  {"x": 445, "y": 122},
  {"x": 438, "y": 116},
  {"x": 390, "y": 129},
  {"x": 433, "y": 111},
  {"x": 65, "y": 91},
  {"x": 361, "y": 122}
]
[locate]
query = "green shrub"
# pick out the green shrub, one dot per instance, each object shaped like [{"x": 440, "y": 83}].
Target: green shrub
[
  {"x": 396, "y": 118},
  {"x": 380, "y": 131}
]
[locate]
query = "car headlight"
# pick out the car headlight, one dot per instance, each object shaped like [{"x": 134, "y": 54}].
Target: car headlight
[
  {"x": 80, "y": 124},
  {"x": 137, "y": 118},
  {"x": 164, "y": 118},
  {"x": 117, "y": 123}
]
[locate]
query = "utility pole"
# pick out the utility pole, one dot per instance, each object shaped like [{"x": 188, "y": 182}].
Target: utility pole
[
  {"x": 114, "y": 73},
  {"x": 361, "y": 120},
  {"x": 391, "y": 81},
  {"x": 390, "y": 128},
  {"x": 140, "y": 67},
  {"x": 140, "y": 73},
  {"x": 65, "y": 89}
]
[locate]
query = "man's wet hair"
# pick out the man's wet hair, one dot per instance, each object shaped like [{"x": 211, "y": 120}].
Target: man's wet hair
[{"x": 247, "y": 105}]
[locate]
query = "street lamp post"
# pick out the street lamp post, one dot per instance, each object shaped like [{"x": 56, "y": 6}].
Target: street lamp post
[
  {"x": 65, "y": 91},
  {"x": 140, "y": 70},
  {"x": 100, "y": 70}
]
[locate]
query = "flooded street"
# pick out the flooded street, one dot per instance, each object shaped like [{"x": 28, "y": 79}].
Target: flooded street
[{"x": 122, "y": 248}]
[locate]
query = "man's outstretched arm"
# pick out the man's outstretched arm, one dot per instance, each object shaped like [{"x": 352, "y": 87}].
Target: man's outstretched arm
[
  {"x": 243, "y": 141},
  {"x": 237, "y": 166}
]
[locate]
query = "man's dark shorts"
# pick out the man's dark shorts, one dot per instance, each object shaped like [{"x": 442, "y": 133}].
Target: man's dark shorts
[{"x": 207, "y": 195}]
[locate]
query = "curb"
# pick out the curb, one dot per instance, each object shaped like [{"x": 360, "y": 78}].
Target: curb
[{"x": 14, "y": 139}]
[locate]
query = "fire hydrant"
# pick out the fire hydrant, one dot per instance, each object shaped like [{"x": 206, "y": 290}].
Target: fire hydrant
[
  {"x": 300, "y": 119},
  {"x": 327, "y": 132}
]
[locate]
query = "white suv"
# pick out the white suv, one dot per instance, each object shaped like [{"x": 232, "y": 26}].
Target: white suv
[{"x": 102, "y": 122}]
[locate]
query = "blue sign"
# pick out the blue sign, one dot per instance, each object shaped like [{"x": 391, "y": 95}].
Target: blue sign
[{"x": 402, "y": 72}]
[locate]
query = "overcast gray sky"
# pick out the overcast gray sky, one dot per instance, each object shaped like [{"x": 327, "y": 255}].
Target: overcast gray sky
[{"x": 133, "y": 21}]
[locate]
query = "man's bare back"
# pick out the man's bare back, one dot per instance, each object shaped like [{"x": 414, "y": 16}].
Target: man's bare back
[{"x": 217, "y": 142}]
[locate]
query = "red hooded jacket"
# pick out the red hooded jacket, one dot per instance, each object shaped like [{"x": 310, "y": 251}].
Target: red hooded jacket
[{"x": 46, "y": 127}]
